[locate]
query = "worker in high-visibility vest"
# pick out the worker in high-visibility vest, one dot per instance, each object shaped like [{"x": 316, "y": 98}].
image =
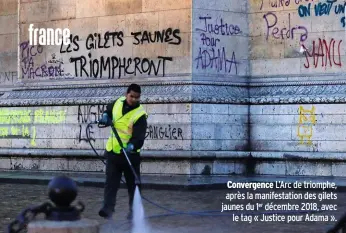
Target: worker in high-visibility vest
[{"x": 130, "y": 121}]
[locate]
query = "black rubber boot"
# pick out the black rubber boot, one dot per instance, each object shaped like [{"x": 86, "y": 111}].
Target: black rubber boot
[{"x": 106, "y": 213}]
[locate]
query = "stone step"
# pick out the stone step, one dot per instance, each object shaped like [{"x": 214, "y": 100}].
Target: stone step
[{"x": 162, "y": 181}]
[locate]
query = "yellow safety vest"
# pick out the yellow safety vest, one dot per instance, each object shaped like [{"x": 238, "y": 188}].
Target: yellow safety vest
[{"x": 123, "y": 124}]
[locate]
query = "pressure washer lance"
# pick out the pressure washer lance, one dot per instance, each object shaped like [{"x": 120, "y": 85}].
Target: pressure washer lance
[{"x": 137, "y": 181}]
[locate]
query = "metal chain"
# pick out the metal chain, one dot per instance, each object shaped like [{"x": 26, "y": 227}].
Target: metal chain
[{"x": 24, "y": 218}]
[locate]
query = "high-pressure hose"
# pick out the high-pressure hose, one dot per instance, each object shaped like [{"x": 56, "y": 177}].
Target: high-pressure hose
[{"x": 338, "y": 226}]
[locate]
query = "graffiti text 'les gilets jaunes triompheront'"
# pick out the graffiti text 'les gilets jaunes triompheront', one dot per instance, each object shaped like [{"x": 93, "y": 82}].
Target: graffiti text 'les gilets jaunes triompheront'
[
  {"x": 98, "y": 67},
  {"x": 116, "y": 39}
]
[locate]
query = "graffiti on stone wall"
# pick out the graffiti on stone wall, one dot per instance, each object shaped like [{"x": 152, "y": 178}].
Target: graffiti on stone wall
[
  {"x": 280, "y": 3},
  {"x": 310, "y": 8},
  {"x": 319, "y": 53},
  {"x": 168, "y": 35},
  {"x": 324, "y": 53},
  {"x": 166, "y": 132},
  {"x": 30, "y": 124},
  {"x": 91, "y": 113},
  {"x": 54, "y": 61},
  {"x": 287, "y": 31},
  {"x": 21, "y": 123},
  {"x": 32, "y": 69},
  {"x": 212, "y": 54},
  {"x": 307, "y": 119},
  {"x": 8, "y": 77},
  {"x": 323, "y": 8},
  {"x": 87, "y": 114},
  {"x": 282, "y": 28},
  {"x": 117, "y": 66}
]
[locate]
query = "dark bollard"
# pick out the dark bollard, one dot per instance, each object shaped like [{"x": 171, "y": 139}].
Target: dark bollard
[
  {"x": 60, "y": 217},
  {"x": 62, "y": 192}
]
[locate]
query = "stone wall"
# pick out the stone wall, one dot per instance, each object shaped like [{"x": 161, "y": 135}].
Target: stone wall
[
  {"x": 114, "y": 44},
  {"x": 230, "y": 86},
  {"x": 282, "y": 30},
  {"x": 220, "y": 41},
  {"x": 111, "y": 40},
  {"x": 297, "y": 57},
  {"x": 8, "y": 43},
  {"x": 64, "y": 129},
  {"x": 220, "y": 54}
]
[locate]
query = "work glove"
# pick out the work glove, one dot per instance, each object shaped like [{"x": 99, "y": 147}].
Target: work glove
[
  {"x": 130, "y": 147},
  {"x": 105, "y": 120}
]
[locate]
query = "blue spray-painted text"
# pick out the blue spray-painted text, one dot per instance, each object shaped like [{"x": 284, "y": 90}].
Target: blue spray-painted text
[{"x": 323, "y": 9}]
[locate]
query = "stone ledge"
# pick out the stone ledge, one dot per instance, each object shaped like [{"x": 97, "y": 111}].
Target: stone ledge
[
  {"x": 299, "y": 156},
  {"x": 297, "y": 100},
  {"x": 183, "y": 92},
  {"x": 179, "y": 154},
  {"x": 162, "y": 181},
  {"x": 297, "y": 83},
  {"x": 270, "y": 165},
  {"x": 174, "y": 92},
  {"x": 106, "y": 100},
  {"x": 146, "y": 154},
  {"x": 299, "y": 77},
  {"x": 125, "y": 84},
  {"x": 299, "y": 92}
]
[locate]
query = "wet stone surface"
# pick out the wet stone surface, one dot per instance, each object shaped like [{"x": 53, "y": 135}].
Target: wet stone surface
[{"x": 16, "y": 197}]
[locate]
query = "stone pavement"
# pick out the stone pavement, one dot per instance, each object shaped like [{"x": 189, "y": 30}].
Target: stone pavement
[{"x": 15, "y": 197}]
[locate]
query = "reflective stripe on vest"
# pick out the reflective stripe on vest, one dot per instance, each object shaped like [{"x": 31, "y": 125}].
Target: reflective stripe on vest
[{"x": 123, "y": 124}]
